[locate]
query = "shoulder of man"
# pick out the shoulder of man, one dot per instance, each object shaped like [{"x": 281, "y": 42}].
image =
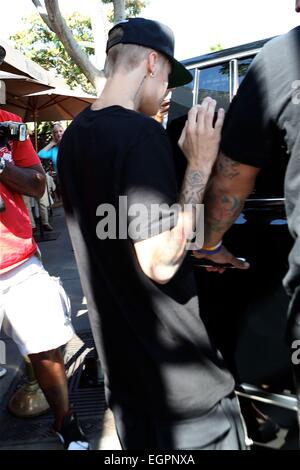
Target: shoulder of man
[{"x": 282, "y": 47}]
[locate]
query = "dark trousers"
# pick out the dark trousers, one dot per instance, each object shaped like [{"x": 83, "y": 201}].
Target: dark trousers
[{"x": 219, "y": 429}]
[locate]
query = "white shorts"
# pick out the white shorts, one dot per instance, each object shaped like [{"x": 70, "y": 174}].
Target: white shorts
[{"x": 34, "y": 308}]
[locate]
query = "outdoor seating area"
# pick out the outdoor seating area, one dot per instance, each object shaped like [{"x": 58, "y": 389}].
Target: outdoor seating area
[{"x": 149, "y": 232}]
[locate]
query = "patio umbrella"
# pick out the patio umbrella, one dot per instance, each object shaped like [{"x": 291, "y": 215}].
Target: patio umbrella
[
  {"x": 12, "y": 86},
  {"x": 17, "y": 85},
  {"x": 56, "y": 104}
]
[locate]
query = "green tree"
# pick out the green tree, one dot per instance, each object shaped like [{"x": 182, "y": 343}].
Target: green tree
[
  {"x": 132, "y": 8},
  {"x": 50, "y": 13},
  {"x": 40, "y": 44}
]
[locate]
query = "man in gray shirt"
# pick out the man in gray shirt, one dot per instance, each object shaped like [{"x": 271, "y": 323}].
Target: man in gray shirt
[{"x": 267, "y": 104}]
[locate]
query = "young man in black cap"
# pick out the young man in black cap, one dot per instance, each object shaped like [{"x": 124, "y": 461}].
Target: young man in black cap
[{"x": 167, "y": 386}]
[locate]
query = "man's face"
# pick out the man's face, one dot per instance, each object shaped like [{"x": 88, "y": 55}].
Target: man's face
[
  {"x": 156, "y": 89},
  {"x": 297, "y": 6}
]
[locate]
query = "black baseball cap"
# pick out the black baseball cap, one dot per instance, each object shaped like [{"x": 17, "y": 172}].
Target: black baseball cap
[
  {"x": 2, "y": 54},
  {"x": 155, "y": 35}
]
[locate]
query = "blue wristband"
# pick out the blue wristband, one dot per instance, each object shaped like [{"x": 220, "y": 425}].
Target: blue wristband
[{"x": 211, "y": 251}]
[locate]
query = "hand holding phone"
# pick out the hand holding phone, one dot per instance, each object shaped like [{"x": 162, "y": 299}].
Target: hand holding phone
[
  {"x": 207, "y": 263},
  {"x": 220, "y": 261}
]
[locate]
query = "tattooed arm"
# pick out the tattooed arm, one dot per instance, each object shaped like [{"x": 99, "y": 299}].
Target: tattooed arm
[
  {"x": 230, "y": 185},
  {"x": 160, "y": 256}
]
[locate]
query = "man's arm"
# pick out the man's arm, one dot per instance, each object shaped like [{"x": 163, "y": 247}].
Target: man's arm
[
  {"x": 230, "y": 185},
  {"x": 160, "y": 256},
  {"x": 29, "y": 181}
]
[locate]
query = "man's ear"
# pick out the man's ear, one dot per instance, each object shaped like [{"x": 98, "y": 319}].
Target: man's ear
[{"x": 152, "y": 63}]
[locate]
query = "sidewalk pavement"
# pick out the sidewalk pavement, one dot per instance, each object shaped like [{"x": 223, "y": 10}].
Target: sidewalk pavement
[{"x": 58, "y": 259}]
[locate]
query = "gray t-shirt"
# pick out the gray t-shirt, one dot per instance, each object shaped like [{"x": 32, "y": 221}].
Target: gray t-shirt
[{"x": 268, "y": 103}]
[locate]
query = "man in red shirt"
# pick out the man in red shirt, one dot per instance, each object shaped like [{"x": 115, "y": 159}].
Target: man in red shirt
[{"x": 34, "y": 308}]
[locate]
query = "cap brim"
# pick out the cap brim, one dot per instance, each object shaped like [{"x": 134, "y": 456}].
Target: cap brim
[
  {"x": 2, "y": 54},
  {"x": 179, "y": 75}
]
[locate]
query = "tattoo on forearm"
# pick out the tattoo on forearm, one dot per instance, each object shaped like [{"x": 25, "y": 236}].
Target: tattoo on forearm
[
  {"x": 192, "y": 191},
  {"x": 193, "y": 186},
  {"x": 225, "y": 210},
  {"x": 227, "y": 167}
]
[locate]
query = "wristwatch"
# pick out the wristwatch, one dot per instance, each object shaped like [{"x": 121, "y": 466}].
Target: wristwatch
[{"x": 2, "y": 165}]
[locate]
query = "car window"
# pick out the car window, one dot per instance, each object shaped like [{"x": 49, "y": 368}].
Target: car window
[
  {"x": 182, "y": 99},
  {"x": 243, "y": 66},
  {"x": 214, "y": 82}
]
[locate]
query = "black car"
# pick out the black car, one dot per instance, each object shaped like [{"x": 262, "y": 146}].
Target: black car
[{"x": 245, "y": 311}]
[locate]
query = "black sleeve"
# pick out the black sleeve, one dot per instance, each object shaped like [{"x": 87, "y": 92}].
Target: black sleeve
[
  {"x": 174, "y": 130},
  {"x": 149, "y": 180},
  {"x": 248, "y": 131}
]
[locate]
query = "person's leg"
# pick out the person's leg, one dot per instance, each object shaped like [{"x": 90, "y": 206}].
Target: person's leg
[
  {"x": 44, "y": 213},
  {"x": 49, "y": 370},
  {"x": 50, "y": 373},
  {"x": 236, "y": 439},
  {"x": 27, "y": 201},
  {"x": 37, "y": 318}
]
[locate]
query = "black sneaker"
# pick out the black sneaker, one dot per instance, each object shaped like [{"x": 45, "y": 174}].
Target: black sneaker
[{"x": 71, "y": 434}]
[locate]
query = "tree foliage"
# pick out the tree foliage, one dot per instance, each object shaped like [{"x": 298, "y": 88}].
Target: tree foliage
[
  {"x": 43, "y": 45},
  {"x": 216, "y": 47},
  {"x": 40, "y": 44},
  {"x": 132, "y": 8}
]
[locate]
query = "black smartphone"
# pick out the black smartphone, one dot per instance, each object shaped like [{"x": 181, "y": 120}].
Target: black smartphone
[{"x": 206, "y": 263}]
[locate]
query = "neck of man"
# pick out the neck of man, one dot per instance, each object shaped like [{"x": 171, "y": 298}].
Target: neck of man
[{"x": 122, "y": 90}]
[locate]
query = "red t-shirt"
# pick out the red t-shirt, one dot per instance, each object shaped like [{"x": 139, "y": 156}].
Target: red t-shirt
[{"x": 16, "y": 240}]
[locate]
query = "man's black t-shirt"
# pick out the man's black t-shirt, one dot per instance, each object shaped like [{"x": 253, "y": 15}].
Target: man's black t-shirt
[
  {"x": 150, "y": 338},
  {"x": 268, "y": 104}
]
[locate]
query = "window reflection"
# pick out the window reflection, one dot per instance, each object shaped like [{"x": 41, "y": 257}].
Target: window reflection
[
  {"x": 243, "y": 66},
  {"x": 214, "y": 82},
  {"x": 182, "y": 99}
]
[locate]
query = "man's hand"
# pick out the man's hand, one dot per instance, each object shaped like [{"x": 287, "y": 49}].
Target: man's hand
[
  {"x": 223, "y": 257},
  {"x": 200, "y": 139}
]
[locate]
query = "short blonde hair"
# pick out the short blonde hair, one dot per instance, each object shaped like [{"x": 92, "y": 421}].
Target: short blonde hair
[{"x": 125, "y": 56}]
